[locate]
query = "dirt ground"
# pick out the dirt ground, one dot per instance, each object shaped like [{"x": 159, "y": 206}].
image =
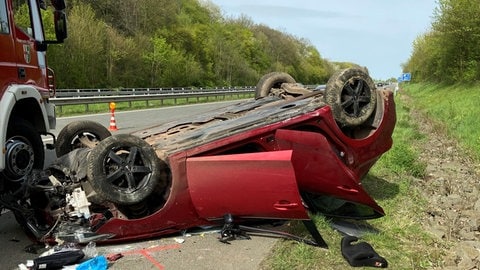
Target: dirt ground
[{"x": 452, "y": 186}]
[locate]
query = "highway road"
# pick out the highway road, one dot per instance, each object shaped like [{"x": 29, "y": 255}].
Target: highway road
[
  {"x": 129, "y": 121},
  {"x": 194, "y": 250}
]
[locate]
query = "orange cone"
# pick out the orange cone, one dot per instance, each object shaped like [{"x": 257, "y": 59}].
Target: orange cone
[{"x": 113, "y": 123}]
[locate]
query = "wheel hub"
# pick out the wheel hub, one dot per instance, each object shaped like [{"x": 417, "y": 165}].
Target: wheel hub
[
  {"x": 355, "y": 96},
  {"x": 20, "y": 158}
]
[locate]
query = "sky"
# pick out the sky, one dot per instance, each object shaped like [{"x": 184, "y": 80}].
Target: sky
[{"x": 377, "y": 34}]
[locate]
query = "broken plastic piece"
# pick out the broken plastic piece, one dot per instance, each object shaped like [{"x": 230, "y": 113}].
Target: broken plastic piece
[
  {"x": 78, "y": 200},
  {"x": 30, "y": 264},
  {"x": 179, "y": 240},
  {"x": 114, "y": 257},
  {"x": 97, "y": 263},
  {"x": 90, "y": 250}
]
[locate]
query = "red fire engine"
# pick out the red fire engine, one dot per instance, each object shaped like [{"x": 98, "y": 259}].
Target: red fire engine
[{"x": 26, "y": 84}]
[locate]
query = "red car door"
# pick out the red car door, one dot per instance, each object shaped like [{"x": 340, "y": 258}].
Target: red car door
[
  {"x": 252, "y": 185},
  {"x": 321, "y": 171}
]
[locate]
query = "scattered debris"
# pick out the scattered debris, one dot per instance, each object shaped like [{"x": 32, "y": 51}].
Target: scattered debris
[
  {"x": 114, "y": 257},
  {"x": 361, "y": 254},
  {"x": 97, "y": 263},
  {"x": 70, "y": 256},
  {"x": 179, "y": 240},
  {"x": 58, "y": 259}
]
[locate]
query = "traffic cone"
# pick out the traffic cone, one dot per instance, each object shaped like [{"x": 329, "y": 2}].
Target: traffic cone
[{"x": 113, "y": 123}]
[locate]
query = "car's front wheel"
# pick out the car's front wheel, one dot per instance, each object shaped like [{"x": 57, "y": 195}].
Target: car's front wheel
[
  {"x": 271, "y": 80},
  {"x": 80, "y": 134},
  {"x": 124, "y": 169}
]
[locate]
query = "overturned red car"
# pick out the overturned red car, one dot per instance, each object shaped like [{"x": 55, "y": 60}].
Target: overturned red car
[{"x": 288, "y": 152}]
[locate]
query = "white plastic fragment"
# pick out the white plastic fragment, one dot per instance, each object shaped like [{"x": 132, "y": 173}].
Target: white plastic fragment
[
  {"x": 78, "y": 200},
  {"x": 179, "y": 240}
]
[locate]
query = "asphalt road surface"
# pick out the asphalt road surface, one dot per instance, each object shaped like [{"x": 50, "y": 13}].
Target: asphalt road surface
[
  {"x": 198, "y": 249},
  {"x": 191, "y": 250}
]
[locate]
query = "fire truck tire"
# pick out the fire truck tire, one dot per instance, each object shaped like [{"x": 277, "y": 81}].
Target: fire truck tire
[
  {"x": 71, "y": 135},
  {"x": 24, "y": 150},
  {"x": 271, "y": 80},
  {"x": 123, "y": 169},
  {"x": 351, "y": 94}
]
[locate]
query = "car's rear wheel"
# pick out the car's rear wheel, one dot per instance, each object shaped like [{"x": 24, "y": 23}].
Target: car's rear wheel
[
  {"x": 271, "y": 80},
  {"x": 124, "y": 169},
  {"x": 80, "y": 134},
  {"x": 351, "y": 94}
]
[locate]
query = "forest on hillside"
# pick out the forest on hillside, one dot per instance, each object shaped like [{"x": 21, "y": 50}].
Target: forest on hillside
[
  {"x": 450, "y": 52},
  {"x": 165, "y": 43}
]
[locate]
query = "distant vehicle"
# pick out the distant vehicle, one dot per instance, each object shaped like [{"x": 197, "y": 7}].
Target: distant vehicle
[{"x": 288, "y": 152}]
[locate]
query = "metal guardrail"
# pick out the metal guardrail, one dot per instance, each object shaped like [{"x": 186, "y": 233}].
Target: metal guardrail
[
  {"x": 85, "y": 97},
  {"x": 145, "y": 91},
  {"x": 90, "y": 96}
]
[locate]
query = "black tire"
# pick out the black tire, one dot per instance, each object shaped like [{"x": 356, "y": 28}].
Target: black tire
[
  {"x": 69, "y": 137},
  {"x": 352, "y": 96},
  {"x": 24, "y": 150},
  {"x": 271, "y": 80},
  {"x": 123, "y": 169}
]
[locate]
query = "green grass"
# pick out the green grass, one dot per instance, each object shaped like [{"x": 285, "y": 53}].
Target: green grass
[
  {"x": 391, "y": 182},
  {"x": 455, "y": 110}
]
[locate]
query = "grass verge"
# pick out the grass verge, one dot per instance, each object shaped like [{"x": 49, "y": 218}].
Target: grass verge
[
  {"x": 391, "y": 182},
  {"x": 454, "y": 109}
]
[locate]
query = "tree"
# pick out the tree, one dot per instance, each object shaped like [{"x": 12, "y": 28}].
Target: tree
[
  {"x": 156, "y": 43},
  {"x": 81, "y": 60},
  {"x": 449, "y": 53}
]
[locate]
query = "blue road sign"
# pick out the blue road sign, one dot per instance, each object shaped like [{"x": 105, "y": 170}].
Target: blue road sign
[{"x": 406, "y": 77}]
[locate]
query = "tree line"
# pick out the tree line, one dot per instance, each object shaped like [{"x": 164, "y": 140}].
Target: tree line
[
  {"x": 165, "y": 43},
  {"x": 450, "y": 51}
]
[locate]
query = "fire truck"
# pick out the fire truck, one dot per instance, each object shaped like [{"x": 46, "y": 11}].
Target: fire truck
[{"x": 26, "y": 84}]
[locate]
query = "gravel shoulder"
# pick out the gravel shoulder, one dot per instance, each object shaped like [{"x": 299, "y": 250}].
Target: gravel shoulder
[{"x": 451, "y": 185}]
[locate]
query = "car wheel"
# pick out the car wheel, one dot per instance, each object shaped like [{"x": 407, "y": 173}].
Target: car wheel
[
  {"x": 271, "y": 80},
  {"x": 80, "y": 134},
  {"x": 24, "y": 150},
  {"x": 123, "y": 169},
  {"x": 352, "y": 96}
]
